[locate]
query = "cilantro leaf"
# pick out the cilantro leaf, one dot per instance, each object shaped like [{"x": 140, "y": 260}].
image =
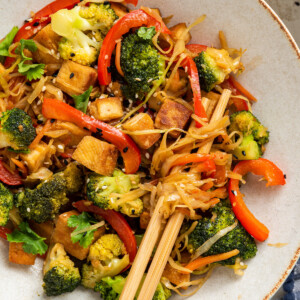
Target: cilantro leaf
[
  {"x": 32, "y": 243},
  {"x": 31, "y": 71},
  {"x": 4, "y": 45},
  {"x": 82, "y": 221},
  {"x": 81, "y": 101},
  {"x": 146, "y": 33},
  {"x": 26, "y": 44}
]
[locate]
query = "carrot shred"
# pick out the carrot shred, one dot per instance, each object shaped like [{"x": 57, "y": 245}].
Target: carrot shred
[
  {"x": 40, "y": 135},
  {"x": 242, "y": 90},
  {"x": 20, "y": 165},
  {"x": 118, "y": 59},
  {"x": 206, "y": 186},
  {"x": 203, "y": 261}
]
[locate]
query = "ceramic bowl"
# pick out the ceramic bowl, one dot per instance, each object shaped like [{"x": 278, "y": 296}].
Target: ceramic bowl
[{"x": 272, "y": 75}]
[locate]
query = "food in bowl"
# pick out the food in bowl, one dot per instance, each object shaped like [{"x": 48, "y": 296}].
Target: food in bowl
[{"x": 111, "y": 124}]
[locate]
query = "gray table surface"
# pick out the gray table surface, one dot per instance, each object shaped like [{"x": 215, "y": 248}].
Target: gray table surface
[{"x": 289, "y": 12}]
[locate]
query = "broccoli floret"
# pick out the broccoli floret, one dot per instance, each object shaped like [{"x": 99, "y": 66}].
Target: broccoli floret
[
  {"x": 209, "y": 73},
  {"x": 107, "y": 257},
  {"x": 255, "y": 135},
  {"x": 161, "y": 293},
  {"x": 214, "y": 65},
  {"x": 99, "y": 189},
  {"x": 238, "y": 238},
  {"x": 141, "y": 64},
  {"x": 60, "y": 275},
  {"x": 6, "y": 204},
  {"x": 43, "y": 203},
  {"x": 110, "y": 288},
  {"x": 16, "y": 130},
  {"x": 83, "y": 29}
]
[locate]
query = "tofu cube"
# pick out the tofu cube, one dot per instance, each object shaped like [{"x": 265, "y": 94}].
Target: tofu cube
[
  {"x": 107, "y": 109},
  {"x": 140, "y": 122},
  {"x": 62, "y": 234},
  {"x": 49, "y": 39},
  {"x": 172, "y": 115},
  {"x": 96, "y": 155},
  {"x": 75, "y": 79}
]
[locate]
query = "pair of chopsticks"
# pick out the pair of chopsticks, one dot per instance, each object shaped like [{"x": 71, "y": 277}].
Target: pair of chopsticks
[{"x": 169, "y": 236}]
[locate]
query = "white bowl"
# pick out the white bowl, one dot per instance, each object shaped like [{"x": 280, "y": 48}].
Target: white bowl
[{"x": 272, "y": 75}]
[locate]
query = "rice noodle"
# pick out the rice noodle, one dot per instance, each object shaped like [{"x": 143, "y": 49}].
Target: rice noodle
[
  {"x": 38, "y": 89},
  {"x": 178, "y": 267}
]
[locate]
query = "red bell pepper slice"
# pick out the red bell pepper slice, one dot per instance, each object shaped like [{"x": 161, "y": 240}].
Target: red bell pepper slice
[
  {"x": 195, "y": 85},
  {"x": 272, "y": 174},
  {"x": 56, "y": 109},
  {"x": 133, "y": 19},
  {"x": 4, "y": 231},
  {"x": 9, "y": 178},
  {"x": 117, "y": 222},
  {"x": 196, "y": 48}
]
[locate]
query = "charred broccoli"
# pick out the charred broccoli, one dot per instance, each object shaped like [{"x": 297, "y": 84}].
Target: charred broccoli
[
  {"x": 107, "y": 257},
  {"x": 60, "y": 275},
  {"x": 16, "y": 130},
  {"x": 238, "y": 238},
  {"x": 255, "y": 135},
  {"x": 43, "y": 203},
  {"x": 110, "y": 288},
  {"x": 100, "y": 187},
  {"x": 83, "y": 29},
  {"x": 6, "y": 204},
  {"x": 140, "y": 62},
  {"x": 213, "y": 66}
]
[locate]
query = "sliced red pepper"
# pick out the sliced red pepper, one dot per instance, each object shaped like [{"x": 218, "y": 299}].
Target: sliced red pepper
[
  {"x": 208, "y": 166},
  {"x": 56, "y": 109},
  {"x": 196, "y": 48},
  {"x": 4, "y": 231},
  {"x": 117, "y": 222},
  {"x": 9, "y": 178},
  {"x": 136, "y": 18},
  {"x": 272, "y": 174},
  {"x": 195, "y": 85}
]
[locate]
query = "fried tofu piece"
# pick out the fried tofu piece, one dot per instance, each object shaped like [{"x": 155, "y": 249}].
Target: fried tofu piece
[
  {"x": 36, "y": 157},
  {"x": 43, "y": 229},
  {"x": 175, "y": 276},
  {"x": 75, "y": 79},
  {"x": 48, "y": 39},
  {"x": 172, "y": 115},
  {"x": 144, "y": 219},
  {"x": 107, "y": 109},
  {"x": 96, "y": 155},
  {"x": 62, "y": 234},
  {"x": 140, "y": 122},
  {"x": 17, "y": 255}
]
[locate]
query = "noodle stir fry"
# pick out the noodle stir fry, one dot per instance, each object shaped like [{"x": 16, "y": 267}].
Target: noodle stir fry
[{"x": 112, "y": 125}]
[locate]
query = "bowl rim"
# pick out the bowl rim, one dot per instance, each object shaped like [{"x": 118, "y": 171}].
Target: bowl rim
[{"x": 295, "y": 48}]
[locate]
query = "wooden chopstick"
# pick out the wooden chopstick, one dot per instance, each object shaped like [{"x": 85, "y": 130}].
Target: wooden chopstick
[
  {"x": 149, "y": 241},
  {"x": 171, "y": 231}
]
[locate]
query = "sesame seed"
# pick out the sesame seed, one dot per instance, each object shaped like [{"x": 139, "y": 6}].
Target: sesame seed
[
  {"x": 125, "y": 149},
  {"x": 27, "y": 27},
  {"x": 147, "y": 155},
  {"x": 54, "y": 80},
  {"x": 88, "y": 180},
  {"x": 106, "y": 56},
  {"x": 72, "y": 75},
  {"x": 116, "y": 92},
  {"x": 123, "y": 169},
  {"x": 39, "y": 102},
  {"x": 155, "y": 95},
  {"x": 61, "y": 147},
  {"x": 28, "y": 209},
  {"x": 110, "y": 85},
  {"x": 138, "y": 79},
  {"x": 186, "y": 69},
  {"x": 35, "y": 24},
  {"x": 44, "y": 88},
  {"x": 109, "y": 89},
  {"x": 46, "y": 163},
  {"x": 136, "y": 95},
  {"x": 149, "y": 80},
  {"x": 234, "y": 192},
  {"x": 108, "y": 69},
  {"x": 52, "y": 120},
  {"x": 244, "y": 153},
  {"x": 104, "y": 187},
  {"x": 284, "y": 176},
  {"x": 241, "y": 263},
  {"x": 72, "y": 54}
]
